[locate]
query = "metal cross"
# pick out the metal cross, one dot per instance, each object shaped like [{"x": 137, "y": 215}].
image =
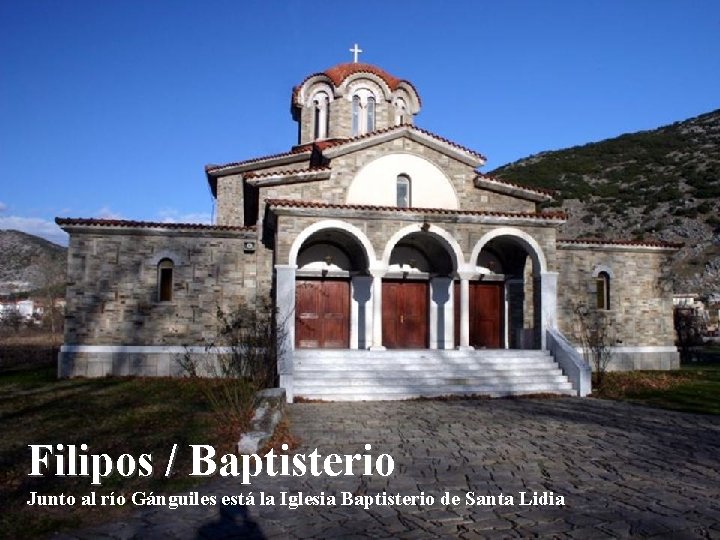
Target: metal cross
[{"x": 356, "y": 51}]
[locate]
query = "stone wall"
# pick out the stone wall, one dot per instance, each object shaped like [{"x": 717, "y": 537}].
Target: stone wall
[
  {"x": 112, "y": 293},
  {"x": 640, "y": 314}
]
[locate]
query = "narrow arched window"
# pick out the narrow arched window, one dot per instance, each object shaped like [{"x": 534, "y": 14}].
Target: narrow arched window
[
  {"x": 165, "y": 280},
  {"x": 402, "y": 186},
  {"x": 356, "y": 115},
  {"x": 602, "y": 290},
  {"x": 370, "y": 124},
  {"x": 320, "y": 116},
  {"x": 316, "y": 119},
  {"x": 400, "y": 111}
]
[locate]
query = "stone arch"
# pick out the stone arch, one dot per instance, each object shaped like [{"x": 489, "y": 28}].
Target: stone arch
[
  {"x": 528, "y": 242},
  {"x": 331, "y": 224},
  {"x": 445, "y": 238},
  {"x": 603, "y": 268},
  {"x": 173, "y": 256}
]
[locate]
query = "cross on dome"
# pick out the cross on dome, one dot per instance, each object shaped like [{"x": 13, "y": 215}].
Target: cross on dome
[{"x": 356, "y": 51}]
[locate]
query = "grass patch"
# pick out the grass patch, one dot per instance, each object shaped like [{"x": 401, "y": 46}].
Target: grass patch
[
  {"x": 113, "y": 416},
  {"x": 694, "y": 388}
]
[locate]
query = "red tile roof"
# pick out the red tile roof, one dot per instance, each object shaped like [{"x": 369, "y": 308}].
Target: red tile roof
[
  {"x": 287, "y": 172},
  {"x": 340, "y": 142},
  {"x": 146, "y": 224},
  {"x": 297, "y": 150},
  {"x": 295, "y": 203},
  {"x": 337, "y": 74},
  {"x": 513, "y": 184},
  {"x": 599, "y": 241}
]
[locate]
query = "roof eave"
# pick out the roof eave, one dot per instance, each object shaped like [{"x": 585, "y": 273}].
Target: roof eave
[{"x": 512, "y": 190}]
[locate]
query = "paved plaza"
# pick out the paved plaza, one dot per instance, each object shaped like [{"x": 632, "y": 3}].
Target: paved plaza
[{"x": 622, "y": 470}]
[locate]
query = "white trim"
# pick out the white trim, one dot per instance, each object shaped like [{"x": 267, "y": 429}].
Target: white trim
[
  {"x": 450, "y": 242},
  {"x": 536, "y": 251},
  {"x": 150, "y": 349},
  {"x": 330, "y": 224}
]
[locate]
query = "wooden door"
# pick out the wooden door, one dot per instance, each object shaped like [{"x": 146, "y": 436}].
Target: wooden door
[
  {"x": 405, "y": 314},
  {"x": 486, "y": 314},
  {"x": 322, "y": 314}
]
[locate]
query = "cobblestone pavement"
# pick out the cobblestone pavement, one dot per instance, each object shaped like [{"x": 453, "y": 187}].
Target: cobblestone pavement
[{"x": 623, "y": 470}]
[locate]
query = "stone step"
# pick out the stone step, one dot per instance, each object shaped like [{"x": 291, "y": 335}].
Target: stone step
[
  {"x": 411, "y": 353},
  {"x": 343, "y": 375},
  {"x": 428, "y": 362},
  {"x": 367, "y": 394},
  {"x": 419, "y": 371},
  {"x": 429, "y": 380}
]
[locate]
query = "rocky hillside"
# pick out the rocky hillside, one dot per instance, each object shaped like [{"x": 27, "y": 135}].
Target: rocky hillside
[
  {"x": 28, "y": 262},
  {"x": 662, "y": 184}
]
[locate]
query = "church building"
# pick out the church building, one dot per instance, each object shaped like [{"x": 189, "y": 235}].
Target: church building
[{"x": 396, "y": 268}]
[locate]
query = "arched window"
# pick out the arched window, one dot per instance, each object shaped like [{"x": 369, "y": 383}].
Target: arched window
[
  {"x": 370, "y": 123},
  {"x": 165, "y": 280},
  {"x": 602, "y": 290},
  {"x": 356, "y": 115},
  {"x": 320, "y": 116},
  {"x": 402, "y": 187},
  {"x": 363, "y": 112},
  {"x": 400, "y": 111}
]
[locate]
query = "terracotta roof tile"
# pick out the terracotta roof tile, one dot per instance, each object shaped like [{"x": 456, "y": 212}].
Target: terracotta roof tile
[
  {"x": 599, "y": 241},
  {"x": 295, "y": 203},
  {"x": 286, "y": 172},
  {"x": 341, "y": 142},
  {"x": 337, "y": 74},
  {"x": 297, "y": 150},
  {"x": 513, "y": 184},
  {"x": 146, "y": 224}
]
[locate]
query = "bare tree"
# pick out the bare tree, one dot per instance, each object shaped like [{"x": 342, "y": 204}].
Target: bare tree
[
  {"x": 690, "y": 326},
  {"x": 597, "y": 336},
  {"x": 242, "y": 360}
]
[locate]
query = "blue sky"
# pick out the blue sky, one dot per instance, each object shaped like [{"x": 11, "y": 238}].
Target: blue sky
[{"x": 112, "y": 108}]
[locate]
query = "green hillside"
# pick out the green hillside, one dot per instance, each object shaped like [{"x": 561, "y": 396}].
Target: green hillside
[{"x": 661, "y": 184}]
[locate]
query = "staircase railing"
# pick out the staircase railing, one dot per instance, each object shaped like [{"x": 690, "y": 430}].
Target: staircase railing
[{"x": 574, "y": 366}]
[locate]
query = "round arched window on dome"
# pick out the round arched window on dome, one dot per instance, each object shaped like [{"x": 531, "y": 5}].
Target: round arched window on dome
[
  {"x": 320, "y": 115},
  {"x": 370, "y": 122}
]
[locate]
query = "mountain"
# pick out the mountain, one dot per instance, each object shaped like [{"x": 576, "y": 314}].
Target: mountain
[
  {"x": 662, "y": 184},
  {"x": 28, "y": 262}
]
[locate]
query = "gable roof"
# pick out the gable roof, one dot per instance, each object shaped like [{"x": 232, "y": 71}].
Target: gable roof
[{"x": 330, "y": 148}]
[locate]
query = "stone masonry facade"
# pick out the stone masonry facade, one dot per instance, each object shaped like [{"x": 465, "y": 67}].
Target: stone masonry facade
[{"x": 118, "y": 324}]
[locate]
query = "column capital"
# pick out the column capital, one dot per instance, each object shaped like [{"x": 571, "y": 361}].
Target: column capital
[{"x": 378, "y": 271}]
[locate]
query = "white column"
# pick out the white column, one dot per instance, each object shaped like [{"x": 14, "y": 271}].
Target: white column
[
  {"x": 464, "y": 310},
  {"x": 285, "y": 304},
  {"x": 548, "y": 304},
  {"x": 360, "y": 324},
  {"x": 441, "y": 313},
  {"x": 377, "y": 276}
]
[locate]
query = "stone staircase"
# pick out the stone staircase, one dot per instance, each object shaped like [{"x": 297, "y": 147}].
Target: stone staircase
[{"x": 356, "y": 375}]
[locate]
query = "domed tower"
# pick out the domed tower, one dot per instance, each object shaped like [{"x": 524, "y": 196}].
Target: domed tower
[{"x": 349, "y": 100}]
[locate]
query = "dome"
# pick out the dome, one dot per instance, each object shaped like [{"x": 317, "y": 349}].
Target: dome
[{"x": 341, "y": 72}]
